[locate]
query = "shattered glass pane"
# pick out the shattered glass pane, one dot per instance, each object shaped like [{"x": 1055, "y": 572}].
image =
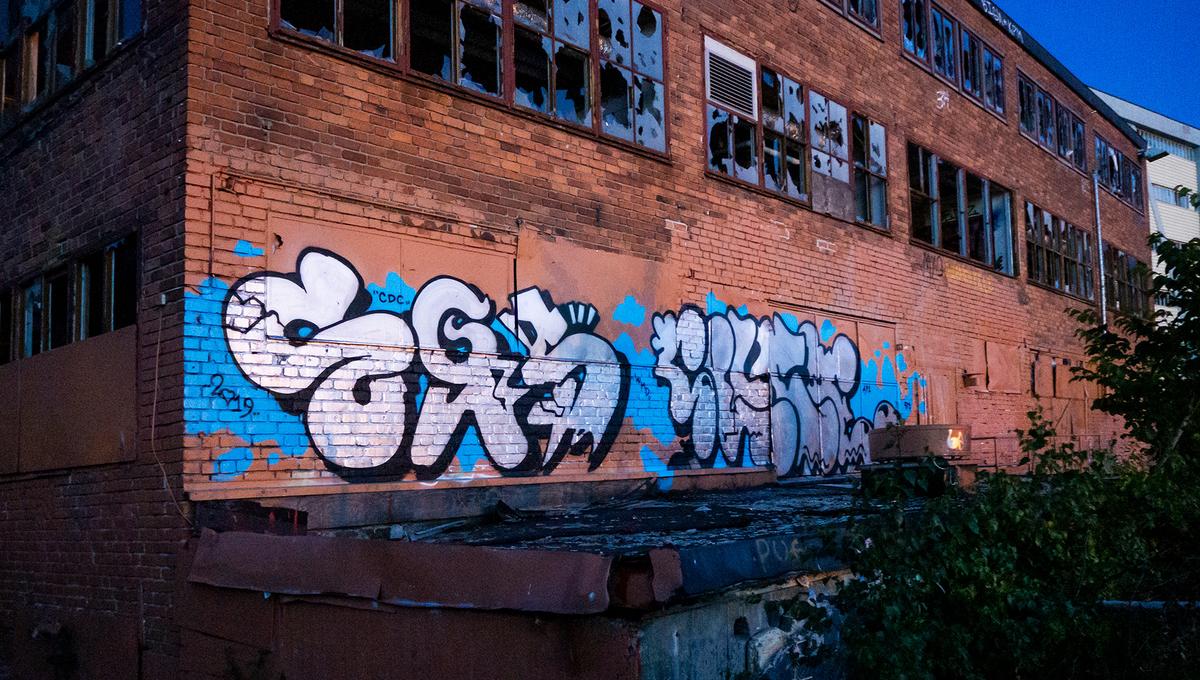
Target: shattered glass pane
[
  {"x": 532, "y": 56},
  {"x": 977, "y": 236},
  {"x": 533, "y": 13},
  {"x": 479, "y": 50},
  {"x": 492, "y": 6},
  {"x": 878, "y": 202},
  {"x": 796, "y": 185},
  {"x": 1002, "y": 255},
  {"x": 745, "y": 149},
  {"x": 770, "y": 89},
  {"x": 858, "y": 128},
  {"x": 571, "y": 90},
  {"x": 951, "y": 231},
  {"x": 877, "y": 161},
  {"x": 793, "y": 109},
  {"x": 571, "y": 22},
  {"x": 867, "y": 10},
  {"x": 616, "y": 114},
  {"x": 368, "y": 27},
  {"x": 64, "y": 43},
  {"x": 614, "y": 30},
  {"x": 719, "y": 153},
  {"x": 773, "y": 170},
  {"x": 828, "y": 131},
  {"x": 647, "y": 41},
  {"x": 649, "y": 112},
  {"x": 915, "y": 27},
  {"x": 310, "y": 17},
  {"x": 431, "y": 28}
]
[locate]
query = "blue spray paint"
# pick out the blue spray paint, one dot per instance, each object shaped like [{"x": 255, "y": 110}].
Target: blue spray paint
[
  {"x": 630, "y": 312},
  {"x": 247, "y": 249}
]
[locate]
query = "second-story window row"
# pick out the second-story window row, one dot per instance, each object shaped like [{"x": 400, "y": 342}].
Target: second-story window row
[
  {"x": 1127, "y": 282},
  {"x": 960, "y": 212},
  {"x": 596, "y": 64},
  {"x": 1053, "y": 126},
  {"x": 45, "y": 46},
  {"x": 936, "y": 39}
]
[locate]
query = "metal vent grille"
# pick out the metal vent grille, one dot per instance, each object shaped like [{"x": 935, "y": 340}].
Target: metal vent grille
[{"x": 731, "y": 80}]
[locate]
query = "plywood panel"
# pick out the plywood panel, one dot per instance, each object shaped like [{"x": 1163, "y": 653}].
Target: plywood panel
[
  {"x": 79, "y": 403},
  {"x": 1005, "y": 371},
  {"x": 1043, "y": 376},
  {"x": 10, "y": 417},
  {"x": 941, "y": 398}
]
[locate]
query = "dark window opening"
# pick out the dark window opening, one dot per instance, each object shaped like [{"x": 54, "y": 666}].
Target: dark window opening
[
  {"x": 1029, "y": 113},
  {"x": 10, "y": 88},
  {"x": 972, "y": 65},
  {"x": 99, "y": 29},
  {"x": 869, "y": 149},
  {"x": 993, "y": 81},
  {"x": 545, "y": 64},
  {"x": 316, "y": 18},
  {"x": 866, "y": 11},
  {"x": 1003, "y": 258},
  {"x": 914, "y": 24},
  {"x": 368, "y": 27},
  {"x": 978, "y": 238},
  {"x": 945, "y": 55},
  {"x": 131, "y": 18},
  {"x": 922, "y": 171},
  {"x": 66, "y": 45},
  {"x": 1046, "y": 123},
  {"x": 950, "y": 222},
  {"x": 1127, "y": 282},
  {"x": 479, "y": 44},
  {"x": 58, "y": 309},
  {"x": 124, "y": 265},
  {"x": 1059, "y": 253},
  {"x": 92, "y": 299}
]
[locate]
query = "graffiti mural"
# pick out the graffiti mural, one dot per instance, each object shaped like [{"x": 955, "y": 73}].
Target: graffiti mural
[{"x": 390, "y": 381}]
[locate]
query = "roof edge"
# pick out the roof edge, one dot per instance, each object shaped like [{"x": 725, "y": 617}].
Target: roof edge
[{"x": 1035, "y": 49}]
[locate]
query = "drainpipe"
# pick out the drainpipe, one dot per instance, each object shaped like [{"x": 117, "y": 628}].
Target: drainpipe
[{"x": 1100, "y": 251}]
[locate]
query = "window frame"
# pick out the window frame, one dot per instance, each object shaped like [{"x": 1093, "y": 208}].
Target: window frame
[
  {"x": 960, "y": 185},
  {"x": 401, "y": 66},
  {"x": 842, "y": 7},
  {"x": 956, "y": 78},
  {"x": 1121, "y": 290},
  {"x": 1072, "y": 119},
  {"x": 871, "y": 176},
  {"x": 923, "y": 61},
  {"x": 1062, "y": 234},
  {"x": 1135, "y": 197}
]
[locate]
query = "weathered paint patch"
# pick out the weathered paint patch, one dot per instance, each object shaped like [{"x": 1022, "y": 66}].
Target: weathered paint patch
[{"x": 247, "y": 249}]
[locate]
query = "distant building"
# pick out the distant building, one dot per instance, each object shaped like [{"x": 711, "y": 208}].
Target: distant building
[{"x": 1170, "y": 214}]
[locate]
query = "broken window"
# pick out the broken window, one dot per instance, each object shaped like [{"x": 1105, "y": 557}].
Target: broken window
[
  {"x": 365, "y": 26},
  {"x": 1078, "y": 145},
  {"x": 316, "y": 18},
  {"x": 976, "y": 218},
  {"x": 1029, "y": 113},
  {"x": 993, "y": 81},
  {"x": 90, "y": 276},
  {"x": 829, "y": 149},
  {"x": 972, "y": 65},
  {"x": 130, "y": 19},
  {"x": 1000, "y": 219},
  {"x": 914, "y": 24},
  {"x": 1126, "y": 282},
  {"x": 870, "y": 171},
  {"x": 98, "y": 28},
  {"x": 950, "y": 211},
  {"x": 1046, "y": 127},
  {"x": 732, "y": 112},
  {"x": 37, "y": 61},
  {"x": 784, "y": 152},
  {"x": 1059, "y": 253},
  {"x": 945, "y": 56},
  {"x": 611, "y": 82},
  {"x": 1119, "y": 174},
  {"x": 866, "y": 11},
  {"x": 631, "y": 80},
  {"x": 922, "y": 173},
  {"x": 107, "y": 289},
  {"x": 124, "y": 282},
  {"x": 545, "y": 64}
]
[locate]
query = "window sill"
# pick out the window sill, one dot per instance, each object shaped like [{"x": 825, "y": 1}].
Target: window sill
[
  {"x": 1063, "y": 293},
  {"x": 33, "y": 109},
  {"x": 394, "y": 69},
  {"x": 959, "y": 258}
]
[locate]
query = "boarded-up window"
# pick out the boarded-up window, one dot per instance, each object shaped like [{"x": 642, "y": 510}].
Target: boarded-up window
[{"x": 1003, "y": 368}]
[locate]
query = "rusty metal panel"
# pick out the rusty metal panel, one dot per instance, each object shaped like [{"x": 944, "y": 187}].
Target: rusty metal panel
[
  {"x": 716, "y": 566},
  {"x": 79, "y": 403},
  {"x": 1004, "y": 368},
  {"x": 10, "y": 417},
  {"x": 407, "y": 574}
]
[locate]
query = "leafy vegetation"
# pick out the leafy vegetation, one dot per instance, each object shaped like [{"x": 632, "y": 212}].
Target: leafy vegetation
[{"x": 1076, "y": 570}]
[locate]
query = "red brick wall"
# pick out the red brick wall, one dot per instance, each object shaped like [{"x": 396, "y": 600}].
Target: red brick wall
[{"x": 93, "y": 547}]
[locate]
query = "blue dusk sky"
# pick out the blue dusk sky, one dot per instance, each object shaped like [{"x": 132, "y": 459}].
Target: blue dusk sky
[{"x": 1145, "y": 51}]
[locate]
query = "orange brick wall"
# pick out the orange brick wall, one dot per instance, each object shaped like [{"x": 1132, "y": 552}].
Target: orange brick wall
[{"x": 380, "y": 168}]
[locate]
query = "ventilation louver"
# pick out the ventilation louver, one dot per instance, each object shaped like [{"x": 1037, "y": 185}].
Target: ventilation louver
[{"x": 732, "y": 79}]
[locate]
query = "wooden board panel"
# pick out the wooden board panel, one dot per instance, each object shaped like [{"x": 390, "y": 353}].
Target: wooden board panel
[
  {"x": 79, "y": 403},
  {"x": 1005, "y": 372},
  {"x": 10, "y": 417}
]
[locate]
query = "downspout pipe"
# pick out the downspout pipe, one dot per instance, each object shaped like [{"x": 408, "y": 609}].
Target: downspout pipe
[{"x": 1100, "y": 251}]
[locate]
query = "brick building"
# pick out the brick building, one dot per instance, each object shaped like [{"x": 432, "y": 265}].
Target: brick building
[{"x": 393, "y": 266}]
